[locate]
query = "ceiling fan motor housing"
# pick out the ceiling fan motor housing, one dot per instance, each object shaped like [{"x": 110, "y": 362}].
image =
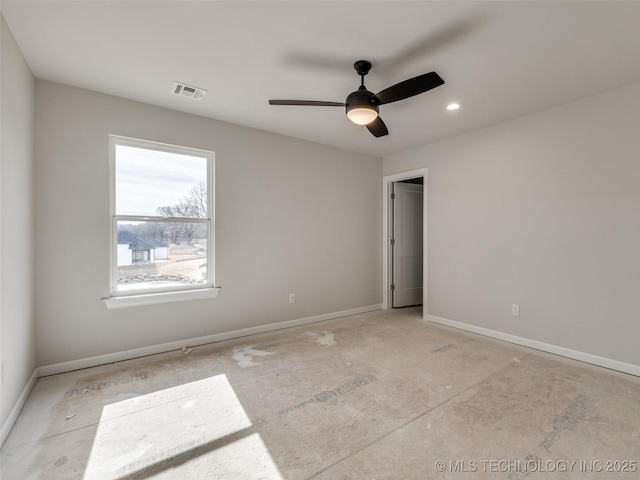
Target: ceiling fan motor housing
[{"x": 362, "y": 98}]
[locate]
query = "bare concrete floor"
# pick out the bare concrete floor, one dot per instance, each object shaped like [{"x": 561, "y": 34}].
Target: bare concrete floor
[{"x": 374, "y": 396}]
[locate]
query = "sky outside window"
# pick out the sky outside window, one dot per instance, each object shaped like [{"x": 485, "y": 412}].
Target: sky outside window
[{"x": 148, "y": 179}]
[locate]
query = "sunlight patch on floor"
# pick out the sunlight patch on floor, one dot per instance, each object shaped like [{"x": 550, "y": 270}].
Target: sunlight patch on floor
[{"x": 173, "y": 431}]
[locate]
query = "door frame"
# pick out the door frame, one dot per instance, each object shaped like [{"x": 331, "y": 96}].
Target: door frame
[{"x": 387, "y": 182}]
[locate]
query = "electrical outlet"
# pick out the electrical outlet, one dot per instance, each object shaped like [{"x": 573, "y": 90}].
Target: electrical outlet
[
  {"x": 292, "y": 298},
  {"x": 515, "y": 310}
]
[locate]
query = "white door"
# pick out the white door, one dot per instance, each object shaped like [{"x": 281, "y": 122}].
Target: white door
[{"x": 406, "y": 289}]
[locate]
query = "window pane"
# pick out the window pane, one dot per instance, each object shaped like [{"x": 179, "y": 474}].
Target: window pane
[
  {"x": 160, "y": 255},
  {"x": 151, "y": 183}
]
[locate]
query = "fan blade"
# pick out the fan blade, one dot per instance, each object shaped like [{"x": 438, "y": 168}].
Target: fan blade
[
  {"x": 378, "y": 128},
  {"x": 409, "y": 88},
  {"x": 306, "y": 103}
]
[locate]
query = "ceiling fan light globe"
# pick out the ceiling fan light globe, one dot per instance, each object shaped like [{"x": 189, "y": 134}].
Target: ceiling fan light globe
[{"x": 362, "y": 115}]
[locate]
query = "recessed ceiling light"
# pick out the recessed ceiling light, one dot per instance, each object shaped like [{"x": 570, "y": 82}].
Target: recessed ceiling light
[{"x": 453, "y": 106}]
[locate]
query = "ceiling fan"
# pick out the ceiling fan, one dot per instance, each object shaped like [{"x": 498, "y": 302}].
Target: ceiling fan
[{"x": 363, "y": 106}]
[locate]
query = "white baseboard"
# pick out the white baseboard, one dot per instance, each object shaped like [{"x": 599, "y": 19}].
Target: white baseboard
[
  {"x": 545, "y": 347},
  {"x": 218, "y": 337},
  {"x": 15, "y": 411}
]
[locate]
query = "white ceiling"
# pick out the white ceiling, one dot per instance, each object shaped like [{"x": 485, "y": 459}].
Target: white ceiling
[{"x": 499, "y": 60}]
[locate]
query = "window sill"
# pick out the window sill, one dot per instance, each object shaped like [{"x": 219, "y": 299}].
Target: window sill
[{"x": 164, "y": 297}]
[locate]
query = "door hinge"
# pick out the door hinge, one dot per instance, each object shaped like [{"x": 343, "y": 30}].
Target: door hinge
[
  {"x": 393, "y": 196},
  {"x": 393, "y": 241},
  {"x": 393, "y": 287}
]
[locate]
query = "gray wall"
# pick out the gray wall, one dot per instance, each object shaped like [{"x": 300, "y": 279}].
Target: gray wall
[
  {"x": 541, "y": 211},
  {"x": 291, "y": 217},
  {"x": 17, "y": 344}
]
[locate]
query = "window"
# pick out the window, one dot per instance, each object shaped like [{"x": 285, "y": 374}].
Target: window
[
  {"x": 161, "y": 217},
  {"x": 139, "y": 256}
]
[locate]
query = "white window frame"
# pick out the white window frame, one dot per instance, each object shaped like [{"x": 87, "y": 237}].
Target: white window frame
[{"x": 169, "y": 294}]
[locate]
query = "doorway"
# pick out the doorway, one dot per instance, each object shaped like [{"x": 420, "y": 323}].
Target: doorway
[
  {"x": 405, "y": 265},
  {"x": 406, "y": 213}
]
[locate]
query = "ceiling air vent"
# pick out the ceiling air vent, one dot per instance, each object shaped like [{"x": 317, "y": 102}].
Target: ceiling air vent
[{"x": 185, "y": 90}]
